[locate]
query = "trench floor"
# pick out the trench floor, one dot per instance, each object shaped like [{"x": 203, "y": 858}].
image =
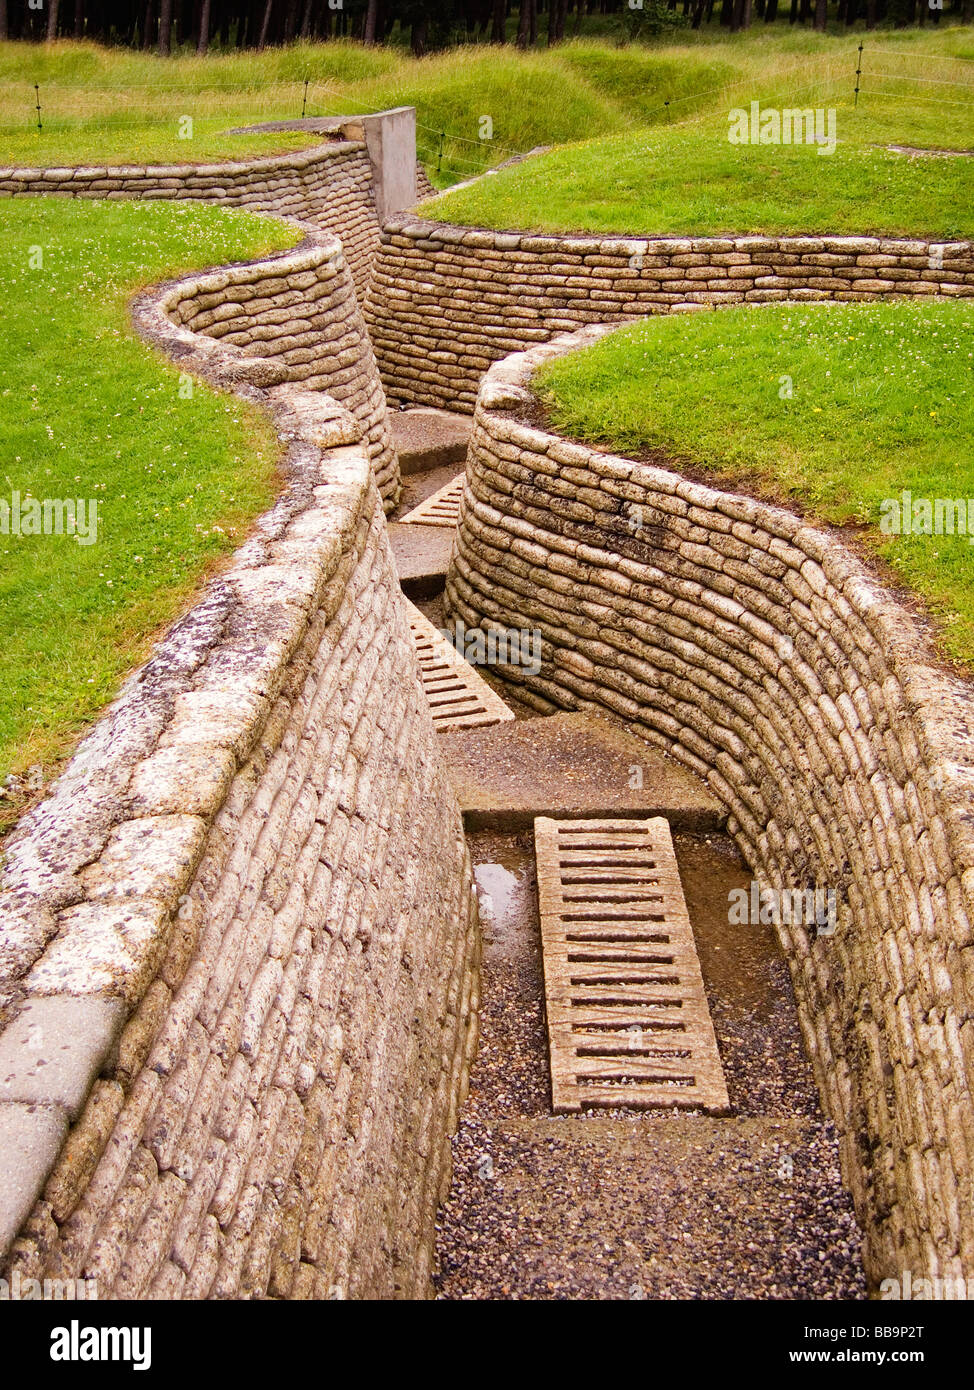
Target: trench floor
[
  {"x": 618, "y": 1205},
  {"x": 625, "y": 1205}
]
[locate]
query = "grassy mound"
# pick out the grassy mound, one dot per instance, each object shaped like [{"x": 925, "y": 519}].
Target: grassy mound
[
  {"x": 119, "y": 106},
  {"x": 840, "y": 408},
  {"x": 88, "y": 411}
]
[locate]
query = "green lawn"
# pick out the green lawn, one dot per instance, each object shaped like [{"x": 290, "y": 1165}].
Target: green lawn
[
  {"x": 673, "y": 170},
  {"x": 88, "y": 411},
  {"x": 691, "y": 181},
  {"x": 115, "y": 105},
  {"x": 881, "y": 402}
]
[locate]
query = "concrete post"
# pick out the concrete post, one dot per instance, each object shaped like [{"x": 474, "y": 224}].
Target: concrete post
[{"x": 390, "y": 138}]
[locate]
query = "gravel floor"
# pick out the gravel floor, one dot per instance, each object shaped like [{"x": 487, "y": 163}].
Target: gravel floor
[{"x": 661, "y": 1206}]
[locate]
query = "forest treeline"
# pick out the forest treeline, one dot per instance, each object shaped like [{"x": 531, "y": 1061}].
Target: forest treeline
[{"x": 425, "y": 25}]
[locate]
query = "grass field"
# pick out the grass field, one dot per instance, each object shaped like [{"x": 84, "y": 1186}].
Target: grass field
[
  {"x": 120, "y": 106},
  {"x": 678, "y": 172},
  {"x": 835, "y": 407},
  {"x": 88, "y": 412}
]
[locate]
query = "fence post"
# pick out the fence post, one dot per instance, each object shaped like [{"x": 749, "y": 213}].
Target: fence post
[{"x": 858, "y": 72}]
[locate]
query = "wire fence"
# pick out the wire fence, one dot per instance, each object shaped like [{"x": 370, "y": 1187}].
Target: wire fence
[
  {"x": 448, "y": 153},
  {"x": 906, "y": 83}
]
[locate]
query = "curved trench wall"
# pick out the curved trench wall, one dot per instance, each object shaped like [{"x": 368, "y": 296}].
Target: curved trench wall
[
  {"x": 445, "y": 302},
  {"x": 238, "y": 942},
  {"x": 298, "y": 321},
  {"x": 337, "y": 186},
  {"x": 329, "y": 186},
  {"x": 758, "y": 651}
]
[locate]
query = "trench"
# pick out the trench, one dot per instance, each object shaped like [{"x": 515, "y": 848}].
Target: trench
[{"x": 629, "y": 1204}]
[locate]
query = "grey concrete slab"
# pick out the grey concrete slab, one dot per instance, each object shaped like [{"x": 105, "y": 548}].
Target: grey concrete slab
[
  {"x": 390, "y": 137},
  {"x": 573, "y": 764},
  {"x": 422, "y": 554},
  {"x": 30, "y": 1141},
  {"x": 427, "y": 438},
  {"x": 55, "y": 1047}
]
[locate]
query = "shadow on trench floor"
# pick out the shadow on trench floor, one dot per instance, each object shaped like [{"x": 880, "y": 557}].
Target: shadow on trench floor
[{"x": 622, "y": 1205}]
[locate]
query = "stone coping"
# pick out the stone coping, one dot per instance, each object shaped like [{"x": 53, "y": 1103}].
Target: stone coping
[{"x": 259, "y": 164}]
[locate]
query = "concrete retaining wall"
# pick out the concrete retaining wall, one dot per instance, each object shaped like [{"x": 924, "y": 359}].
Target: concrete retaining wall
[
  {"x": 296, "y": 318},
  {"x": 239, "y": 945},
  {"x": 761, "y": 653},
  {"x": 445, "y": 302}
]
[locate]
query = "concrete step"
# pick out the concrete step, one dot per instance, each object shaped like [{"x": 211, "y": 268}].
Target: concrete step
[
  {"x": 422, "y": 554},
  {"x": 572, "y": 764},
  {"x": 427, "y": 438},
  {"x": 628, "y": 1022}
]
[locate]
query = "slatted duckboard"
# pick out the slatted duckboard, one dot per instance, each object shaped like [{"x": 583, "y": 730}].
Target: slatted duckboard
[
  {"x": 442, "y": 508},
  {"x": 628, "y": 1022},
  {"x": 458, "y": 697}
]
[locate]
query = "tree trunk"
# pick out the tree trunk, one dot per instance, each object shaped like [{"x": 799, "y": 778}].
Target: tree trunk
[
  {"x": 527, "y": 20},
  {"x": 165, "y": 29},
  {"x": 821, "y": 14},
  {"x": 203, "y": 42},
  {"x": 371, "y": 16},
  {"x": 419, "y": 36},
  {"x": 265, "y": 26},
  {"x": 498, "y": 25},
  {"x": 79, "y": 20},
  {"x": 52, "y": 9},
  {"x": 4, "y": 21}
]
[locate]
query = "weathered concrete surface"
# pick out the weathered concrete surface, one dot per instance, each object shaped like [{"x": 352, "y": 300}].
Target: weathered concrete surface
[
  {"x": 422, "y": 554},
  {"x": 52, "y": 1051},
  {"x": 427, "y": 439},
  {"x": 30, "y": 1140},
  {"x": 390, "y": 137},
  {"x": 570, "y": 765}
]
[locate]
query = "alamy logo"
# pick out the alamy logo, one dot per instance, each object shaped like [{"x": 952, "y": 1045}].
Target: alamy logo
[
  {"x": 771, "y": 125},
  {"x": 805, "y": 907},
  {"x": 497, "y": 646},
  {"x": 50, "y": 516},
  {"x": 19, "y": 1288},
  {"x": 77, "y": 1343},
  {"x": 907, "y": 515},
  {"x": 924, "y": 1290}
]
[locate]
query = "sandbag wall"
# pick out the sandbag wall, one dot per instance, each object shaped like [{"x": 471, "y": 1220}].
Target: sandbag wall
[
  {"x": 444, "y": 302},
  {"x": 762, "y": 654},
  {"x": 238, "y": 942}
]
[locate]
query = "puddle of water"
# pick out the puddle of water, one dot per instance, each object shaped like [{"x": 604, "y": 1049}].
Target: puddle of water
[
  {"x": 497, "y": 887},
  {"x": 735, "y": 959},
  {"x": 505, "y": 884}
]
